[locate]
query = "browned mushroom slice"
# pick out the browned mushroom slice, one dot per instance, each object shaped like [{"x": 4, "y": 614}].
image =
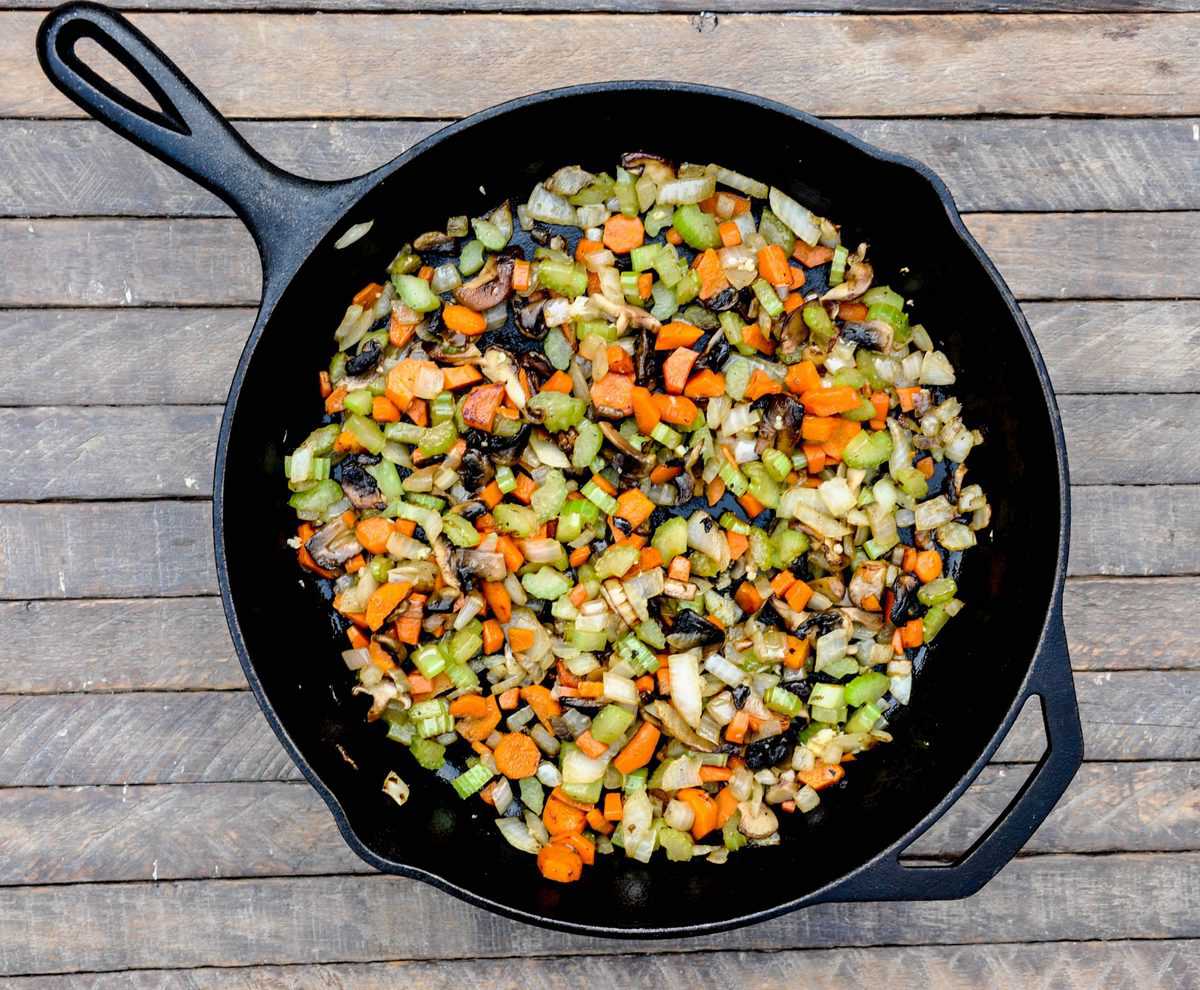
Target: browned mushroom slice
[
  {"x": 858, "y": 280},
  {"x": 333, "y": 544},
  {"x": 490, "y": 287},
  {"x": 652, "y": 166},
  {"x": 434, "y": 240},
  {"x": 623, "y": 314}
]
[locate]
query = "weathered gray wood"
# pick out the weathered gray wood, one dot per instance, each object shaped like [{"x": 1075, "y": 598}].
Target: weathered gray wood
[
  {"x": 1047, "y": 966},
  {"x": 192, "y": 736},
  {"x": 108, "y": 452},
  {"x": 250, "y": 64},
  {"x": 106, "y": 550},
  {"x": 1115, "y": 346},
  {"x": 111, "y": 262},
  {"x": 1112, "y": 623},
  {"x": 71, "y": 167},
  {"x": 102, "y": 550},
  {"x": 120, "y": 356},
  {"x": 141, "y": 356},
  {"x": 1164, "y": 517},
  {"x": 650, "y": 6},
  {"x": 157, "y": 644},
  {"x": 160, "y": 451},
  {"x": 125, "y": 644},
  {"x": 192, "y": 831},
  {"x": 321, "y": 919}
]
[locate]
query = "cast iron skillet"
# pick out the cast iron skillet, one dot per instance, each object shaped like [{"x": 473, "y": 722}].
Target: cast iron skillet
[{"x": 1008, "y": 646}]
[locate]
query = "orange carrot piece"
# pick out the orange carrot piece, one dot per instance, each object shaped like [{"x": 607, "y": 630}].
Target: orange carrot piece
[
  {"x": 711, "y": 775},
  {"x": 325, "y": 384},
  {"x": 735, "y": 731},
  {"x": 579, "y": 556},
  {"x": 418, "y": 412},
  {"x": 726, "y": 805},
  {"x": 509, "y": 699},
  {"x": 761, "y": 384},
  {"x": 639, "y": 750},
  {"x": 581, "y": 844},
  {"x": 906, "y": 397},
  {"x": 374, "y": 533},
  {"x": 561, "y": 818},
  {"x": 731, "y": 234},
  {"x": 612, "y": 806},
  {"x": 335, "y": 400},
  {"x": 925, "y": 466},
  {"x": 634, "y": 507},
  {"x": 517, "y": 756},
  {"x": 560, "y": 381},
  {"x": 619, "y": 360},
  {"x": 674, "y": 237},
  {"x": 928, "y": 566},
  {"x": 368, "y": 295},
  {"x": 737, "y": 544},
  {"x": 852, "y": 312},
  {"x": 706, "y": 384},
  {"x": 782, "y": 581},
  {"x": 384, "y": 410},
  {"x": 613, "y": 395},
  {"x": 712, "y": 275},
  {"x": 797, "y": 653},
  {"x": 821, "y": 775},
  {"x": 752, "y": 336},
  {"x": 520, "y": 639},
  {"x": 460, "y": 377},
  {"x": 384, "y": 600},
  {"x": 644, "y": 410},
  {"x": 816, "y": 458},
  {"x": 357, "y": 640},
  {"x": 469, "y": 706},
  {"x": 704, "y": 810},
  {"x": 752, "y": 505},
  {"x": 793, "y": 302},
  {"x": 748, "y": 597},
  {"x": 521, "y": 276},
  {"x": 676, "y": 334},
  {"x": 543, "y": 703},
  {"x": 677, "y": 368},
  {"x": 773, "y": 266},
  {"x": 830, "y": 401},
  {"x": 798, "y": 595},
  {"x": 664, "y": 473},
  {"x": 810, "y": 256},
  {"x": 480, "y": 407},
  {"x": 591, "y": 689},
  {"x": 912, "y": 634},
  {"x": 525, "y": 487},
  {"x": 498, "y": 600},
  {"x": 680, "y": 569},
  {"x": 645, "y": 285},
  {"x": 586, "y": 247},
  {"x": 462, "y": 320},
  {"x": 676, "y": 409},
  {"x": 622, "y": 234},
  {"x": 590, "y": 745},
  {"x": 817, "y": 430}
]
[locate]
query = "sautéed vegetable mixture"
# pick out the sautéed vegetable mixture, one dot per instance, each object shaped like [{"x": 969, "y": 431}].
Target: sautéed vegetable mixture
[{"x": 635, "y": 531}]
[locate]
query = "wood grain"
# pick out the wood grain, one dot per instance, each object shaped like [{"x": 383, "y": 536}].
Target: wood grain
[
  {"x": 1045, "y": 966},
  {"x": 200, "y": 736},
  {"x": 648, "y": 6},
  {"x": 146, "y": 356},
  {"x": 110, "y": 262},
  {"x": 320, "y": 919},
  {"x": 163, "y": 644},
  {"x": 182, "y": 831},
  {"x": 162, "y": 451},
  {"x": 164, "y": 548},
  {"x": 248, "y": 64},
  {"x": 80, "y": 168}
]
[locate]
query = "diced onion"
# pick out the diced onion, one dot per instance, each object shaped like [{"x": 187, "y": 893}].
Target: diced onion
[
  {"x": 685, "y": 686},
  {"x": 799, "y": 219},
  {"x": 550, "y": 208},
  {"x": 692, "y": 190},
  {"x": 517, "y": 834},
  {"x": 352, "y": 234}
]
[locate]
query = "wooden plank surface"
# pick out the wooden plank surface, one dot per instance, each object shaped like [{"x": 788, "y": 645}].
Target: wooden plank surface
[
  {"x": 183, "y": 831},
  {"x": 247, "y": 64},
  {"x": 204, "y": 736},
  {"x": 105, "y": 452},
  {"x": 321, "y": 919},
  {"x": 145, "y": 356},
  {"x": 164, "y": 548},
  {"x": 80, "y": 168},
  {"x": 1045, "y": 966},
  {"x": 701, "y": 7},
  {"x": 111, "y": 262}
]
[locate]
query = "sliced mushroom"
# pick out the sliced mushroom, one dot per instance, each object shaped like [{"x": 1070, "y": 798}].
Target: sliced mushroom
[
  {"x": 858, "y": 279},
  {"x": 481, "y": 565},
  {"x": 782, "y": 417},
  {"x": 333, "y": 544},
  {"x": 365, "y": 360},
  {"x": 691, "y": 629},
  {"x": 643, "y": 355},
  {"x": 875, "y": 334},
  {"x": 792, "y": 339},
  {"x": 434, "y": 240},
  {"x": 530, "y": 320},
  {"x": 380, "y": 695},
  {"x": 623, "y": 314},
  {"x": 490, "y": 287},
  {"x": 653, "y": 166},
  {"x": 455, "y": 349},
  {"x": 475, "y": 471},
  {"x": 360, "y": 487},
  {"x": 441, "y": 554},
  {"x": 714, "y": 355},
  {"x": 613, "y": 436},
  {"x": 867, "y": 582},
  {"x": 757, "y": 821},
  {"x": 872, "y": 622},
  {"x": 904, "y": 589}
]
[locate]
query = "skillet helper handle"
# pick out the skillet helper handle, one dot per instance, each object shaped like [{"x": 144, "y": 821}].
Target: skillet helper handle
[
  {"x": 1051, "y": 681},
  {"x": 185, "y": 130}
]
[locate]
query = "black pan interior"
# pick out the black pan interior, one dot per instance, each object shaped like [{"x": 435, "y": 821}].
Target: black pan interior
[{"x": 975, "y": 669}]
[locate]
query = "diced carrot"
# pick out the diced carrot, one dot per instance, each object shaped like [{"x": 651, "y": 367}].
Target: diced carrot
[
  {"x": 909, "y": 560},
  {"x": 309, "y": 564},
  {"x": 399, "y": 332},
  {"x": 561, "y": 818},
  {"x": 650, "y": 559},
  {"x": 817, "y": 430},
  {"x": 676, "y": 334},
  {"x": 811, "y": 255},
  {"x": 735, "y": 731},
  {"x": 773, "y": 266},
  {"x": 676, "y": 369},
  {"x": 645, "y": 285},
  {"x": 462, "y": 320},
  {"x": 604, "y": 484},
  {"x": 644, "y": 410},
  {"x": 517, "y": 756},
  {"x": 491, "y": 496},
  {"x": 368, "y": 295},
  {"x": 405, "y": 527},
  {"x": 802, "y": 377},
  {"x": 493, "y": 637},
  {"x": 830, "y": 401},
  {"x": 925, "y": 466},
  {"x": 612, "y": 806},
  {"x": 613, "y": 395},
  {"x": 498, "y": 600},
  {"x": 469, "y": 706},
  {"x": 593, "y": 287},
  {"x": 560, "y": 381},
  {"x": 782, "y": 581},
  {"x": 712, "y": 775},
  {"x": 622, "y": 234},
  {"x": 525, "y": 487},
  {"x": 680, "y": 569},
  {"x": 852, "y": 312},
  {"x": 797, "y": 653},
  {"x": 579, "y": 556},
  {"x": 543, "y": 703},
  {"x": 477, "y": 729},
  {"x": 522, "y": 273},
  {"x": 726, "y": 805},
  {"x": 731, "y": 234},
  {"x": 591, "y": 689},
  {"x": 712, "y": 275},
  {"x": 578, "y": 595},
  {"x": 461, "y": 376},
  {"x": 676, "y": 409},
  {"x": 480, "y": 407},
  {"x": 704, "y": 810},
  {"x": 821, "y": 775},
  {"x": 674, "y": 237},
  {"x": 619, "y": 360},
  {"x": 798, "y": 280},
  {"x": 748, "y": 598},
  {"x": 793, "y": 302},
  {"x": 425, "y": 272},
  {"x": 761, "y": 384},
  {"x": 374, "y": 533},
  {"x": 357, "y": 640},
  {"x": 816, "y": 458},
  {"x": 335, "y": 400},
  {"x": 706, "y": 384},
  {"x": 639, "y": 750},
  {"x": 798, "y": 595},
  {"x": 664, "y": 473},
  {"x": 581, "y": 844},
  {"x": 520, "y": 639},
  {"x": 590, "y": 745},
  {"x": 752, "y": 505},
  {"x": 928, "y": 566},
  {"x": 384, "y": 600},
  {"x": 752, "y": 336},
  {"x": 912, "y": 633},
  {"x": 634, "y": 507},
  {"x": 880, "y": 401},
  {"x": 383, "y": 410},
  {"x": 737, "y": 544},
  {"x": 906, "y": 397},
  {"x": 844, "y": 430},
  {"x": 324, "y": 383},
  {"x": 586, "y": 247},
  {"x": 418, "y": 412}
]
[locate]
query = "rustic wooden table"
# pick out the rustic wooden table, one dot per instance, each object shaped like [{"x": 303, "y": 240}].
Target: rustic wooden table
[{"x": 152, "y": 829}]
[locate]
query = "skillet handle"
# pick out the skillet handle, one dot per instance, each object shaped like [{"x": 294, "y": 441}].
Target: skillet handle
[
  {"x": 285, "y": 213},
  {"x": 886, "y": 879}
]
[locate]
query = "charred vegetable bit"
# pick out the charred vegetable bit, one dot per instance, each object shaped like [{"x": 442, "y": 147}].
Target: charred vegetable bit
[{"x": 633, "y": 535}]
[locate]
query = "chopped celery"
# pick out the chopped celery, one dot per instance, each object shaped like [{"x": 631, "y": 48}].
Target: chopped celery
[
  {"x": 777, "y": 463},
  {"x": 883, "y": 296},
  {"x": 438, "y": 439},
  {"x": 761, "y": 485},
  {"x": 837, "y": 271},
  {"x": 416, "y": 293},
  {"x": 650, "y": 633},
  {"x": 429, "y": 754},
  {"x": 863, "y": 719},
  {"x": 616, "y": 560},
  {"x": 318, "y": 498},
  {"x": 588, "y": 641},
  {"x": 629, "y": 288},
  {"x": 849, "y": 376},
  {"x": 566, "y": 278},
  {"x": 775, "y": 231},
  {"x": 934, "y": 620},
  {"x": 359, "y": 402},
  {"x": 657, "y": 220},
  {"x": 441, "y": 408},
  {"x": 828, "y": 696},
  {"x": 587, "y": 793},
  {"x": 559, "y": 410},
  {"x": 459, "y": 531},
  {"x": 670, "y": 539},
  {"x": 868, "y": 450},
  {"x": 596, "y": 328},
  {"x": 697, "y": 228},
  {"x": 491, "y": 236},
  {"x": 820, "y": 326},
  {"x": 863, "y": 412},
  {"x": 532, "y": 794},
  {"x": 688, "y": 287},
  {"x": 677, "y": 845},
  {"x": 463, "y": 677},
  {"x": 643, "y": 257},
  {"x": 598, "y": 496},
  {"x": 404, "y": 262},
  {"x": 734, "y": 480},
  {"x": 768, "y": 298},
  {"x": 468, "y": 783},
  {"x": 638, "y": 655},
  {"x": 380, "y": 565},
  {"x": 781, "y": 700},
  {"x": 866, "y": 688},
  {"x": 635, "y": 781},
  {"x": 471, "y": 258},
  {"x": 665, "y": 305},
  {"x": 666, "y": 436},
  {"x": 912, "y": 481},
  {"x": 506, "y": 481},
  {"x": 731, "y": 835},
  {"x": 549, "y": 496},
  {"x": 515, "y": 519},
  {"x": 937, "y": 592},
  {"x": 546, "y": 583},
  {"x": 558, "y": 351},
  {"x": 430, "y": 660},
  {"x": 670, "y": 269},
  {"x": 610, "y": 724},
  {"x": 788, "y": 544},
  {"x": 427, "y": 501},
  {"x": 367, "y": 432},
  {"x": 626, "y": 191},
  {"x": 466, "y": 642}
]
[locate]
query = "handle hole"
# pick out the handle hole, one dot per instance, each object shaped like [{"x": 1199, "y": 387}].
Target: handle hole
[
  {"x": 112, "y": 71},
  {"x": 985, "y": 801}
]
